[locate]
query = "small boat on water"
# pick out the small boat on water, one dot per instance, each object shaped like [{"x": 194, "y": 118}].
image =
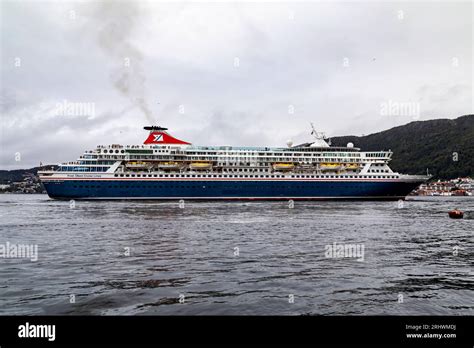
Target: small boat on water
[{"x": 456, "y": 214}]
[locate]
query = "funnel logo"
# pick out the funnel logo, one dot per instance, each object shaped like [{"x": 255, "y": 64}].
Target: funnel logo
[{"x": 163, "y": 138}]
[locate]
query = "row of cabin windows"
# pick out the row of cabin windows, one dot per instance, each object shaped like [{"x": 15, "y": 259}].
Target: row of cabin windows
[
  {"x": 277, "y": 154},
  {"x": 112, "y": 151},
  {"x": 83, "y": 169},
  {"x": 254, "y": 176},
  {"x": 260, "y": 154},
  {"x": 123, "y": 151},
  {"x": 137, "y": 186}
]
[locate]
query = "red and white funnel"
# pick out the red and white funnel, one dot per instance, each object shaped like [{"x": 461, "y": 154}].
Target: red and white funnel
[{"x": 158, "y": 135}]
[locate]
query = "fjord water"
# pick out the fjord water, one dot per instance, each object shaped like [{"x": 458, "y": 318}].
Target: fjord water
[{"x": 236, "y": 257}]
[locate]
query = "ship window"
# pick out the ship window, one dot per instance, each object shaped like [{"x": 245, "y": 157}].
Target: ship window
[
  {"x": 133, "y": 175},
  {"x": 191, "y": 176}
]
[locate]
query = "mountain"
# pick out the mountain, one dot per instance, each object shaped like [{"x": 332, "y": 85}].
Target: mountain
[
  {"x": 26, "y": 176},
  {"x": 17, "y": 175},
  {"x": 419, "y": 145}
]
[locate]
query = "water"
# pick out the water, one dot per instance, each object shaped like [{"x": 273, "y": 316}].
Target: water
[{"x": 237, "y": 258}]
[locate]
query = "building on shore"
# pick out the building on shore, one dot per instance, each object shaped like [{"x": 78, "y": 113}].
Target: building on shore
[{"x": 453, "y": 187}]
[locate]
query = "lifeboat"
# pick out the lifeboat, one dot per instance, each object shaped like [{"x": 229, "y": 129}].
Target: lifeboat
[
  {"x": 456, "y": 214},
  {"x": 200, "y": 165},
  {"x": 283, "y": 166},
  {"x": 168, "y": 165},
  {"x": 137, "y": 164},
  {"x": 352, "y": 166},
  {"x": 330, "y": 167}
]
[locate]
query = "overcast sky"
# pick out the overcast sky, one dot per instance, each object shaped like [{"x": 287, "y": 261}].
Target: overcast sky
[{"x": 78, "y": 74}]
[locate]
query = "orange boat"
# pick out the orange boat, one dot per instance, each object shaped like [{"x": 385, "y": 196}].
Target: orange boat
[{"x": 456, "y": 214}]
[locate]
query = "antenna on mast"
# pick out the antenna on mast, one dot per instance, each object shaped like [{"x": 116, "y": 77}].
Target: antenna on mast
[
  {"x": 319, "y": 136},
  {"x": 313, "y": 131}
]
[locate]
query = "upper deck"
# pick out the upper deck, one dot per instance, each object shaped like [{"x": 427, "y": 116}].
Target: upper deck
[{"x": 162, "y": 151}]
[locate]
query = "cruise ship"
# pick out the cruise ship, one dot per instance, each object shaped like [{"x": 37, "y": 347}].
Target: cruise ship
[{"x": 167, "y": 168}]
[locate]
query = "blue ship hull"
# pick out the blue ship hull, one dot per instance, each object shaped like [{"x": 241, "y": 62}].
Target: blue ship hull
[{"x": 243, "y": 190}]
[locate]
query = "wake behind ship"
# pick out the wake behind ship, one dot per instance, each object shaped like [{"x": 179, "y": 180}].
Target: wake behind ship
[{"x": 166, "y": 168}]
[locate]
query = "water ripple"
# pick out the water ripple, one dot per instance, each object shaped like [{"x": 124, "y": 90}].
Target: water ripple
[{"x": 237, "y": 258}]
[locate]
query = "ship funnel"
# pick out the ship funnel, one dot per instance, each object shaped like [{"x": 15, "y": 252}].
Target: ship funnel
[{"x": 159, "y": 135}]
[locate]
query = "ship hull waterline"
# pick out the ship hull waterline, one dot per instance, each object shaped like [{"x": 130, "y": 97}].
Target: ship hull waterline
[{"x": 228, "y": 190}]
